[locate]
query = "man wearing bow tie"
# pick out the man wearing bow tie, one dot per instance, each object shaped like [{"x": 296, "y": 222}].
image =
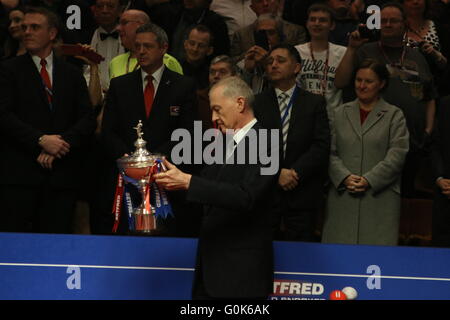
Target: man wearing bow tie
[{"x": 105, "y": 40}]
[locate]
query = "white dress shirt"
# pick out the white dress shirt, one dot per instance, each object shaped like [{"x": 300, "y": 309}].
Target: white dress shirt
[
  {"x": 238, "y": 136},
  {"x": 108, "y": 48},
  {"x": 289, "y": 92},
  {"x": 157, "y": 75},
  {"x": 237, "y": 13}
]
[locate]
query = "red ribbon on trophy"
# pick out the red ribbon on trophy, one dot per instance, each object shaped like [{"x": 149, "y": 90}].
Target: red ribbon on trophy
[
  {"x": 137, "y": 169},
  {"x": 117, "y": 205}
]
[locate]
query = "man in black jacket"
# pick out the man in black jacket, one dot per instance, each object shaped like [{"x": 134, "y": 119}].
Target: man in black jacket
[
  {"x": 440, "y": 156},
  {"x": 164, "y": 100},
  {"x": 45, "y": 120},
  {"x": 234, "y": 257},
  {"x": 302, "y": 118},
  {"x": 176, "y": 19}
]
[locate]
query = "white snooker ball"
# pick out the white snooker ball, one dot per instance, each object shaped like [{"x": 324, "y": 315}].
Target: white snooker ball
[{"x": 350, "y": 292}]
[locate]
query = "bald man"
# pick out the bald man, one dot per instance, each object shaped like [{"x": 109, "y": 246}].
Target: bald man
[{"x": 129, "y": 22}]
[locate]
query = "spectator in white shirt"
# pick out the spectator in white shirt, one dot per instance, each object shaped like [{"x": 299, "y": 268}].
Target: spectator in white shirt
[
  {"x": 105, "y": 40},
  {"x": 237, "y": 13},
  {"x": 320, "y": 58}
]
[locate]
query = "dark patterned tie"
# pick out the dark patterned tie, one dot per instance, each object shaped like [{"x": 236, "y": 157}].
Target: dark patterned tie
[{"x": 46, "y": 80}]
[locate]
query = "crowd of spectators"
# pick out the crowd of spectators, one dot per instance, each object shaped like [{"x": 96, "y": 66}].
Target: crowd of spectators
[{"x": 364, "y": 113}]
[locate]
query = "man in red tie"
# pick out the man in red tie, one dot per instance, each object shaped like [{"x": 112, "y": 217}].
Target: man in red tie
[
  {"x": 45, "y": 119},
  {"x": 162, "y": 99}
]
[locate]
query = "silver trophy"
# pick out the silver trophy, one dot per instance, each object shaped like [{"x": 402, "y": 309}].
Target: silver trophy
[{"x": 138, "y": 167}]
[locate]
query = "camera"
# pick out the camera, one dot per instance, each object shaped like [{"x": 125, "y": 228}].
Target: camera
[
  {"x": 366, "y": 33},
  {"x": 261, "y": 39}
]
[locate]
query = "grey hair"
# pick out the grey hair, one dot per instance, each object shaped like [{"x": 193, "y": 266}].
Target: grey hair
[
  {"x": 234, "y": 87},
  {"x": 226, "y": 59},
  {"x": 269, "y": 16},
  {"x": 161, "y": 35}
]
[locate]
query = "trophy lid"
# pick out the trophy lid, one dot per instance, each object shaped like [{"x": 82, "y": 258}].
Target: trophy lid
[{"x": 141, "y": 157}]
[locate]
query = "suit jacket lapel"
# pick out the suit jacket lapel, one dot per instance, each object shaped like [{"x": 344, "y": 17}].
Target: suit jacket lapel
[
  {"x": 352, "y": 112},
  {"x": 136, "y": 86},
  {"x": 36, "y": 78},
  {"x": 162, "y": 95},
  {"x": 163, "y": 89},
  {"x": 58, "y": 79},
  {"x": 274, "y": 110},
  {"x": 374, "y": 116},
  {"x": 222, "y": 169},
  {"x": 295, "y": 109}
]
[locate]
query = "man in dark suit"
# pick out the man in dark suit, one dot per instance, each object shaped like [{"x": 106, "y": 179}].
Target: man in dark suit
[
  {"x": 176, "y": 19},
  {"x": 234, "y": 256},
  {"x": 302, "y": 118},
  {"x": 45, "y": 120},
  {"x": 162, "y": 99},
  {"x": 440, "y": 155}
]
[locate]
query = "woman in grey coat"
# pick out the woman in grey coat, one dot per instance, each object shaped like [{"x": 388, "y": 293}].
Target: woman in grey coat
[{"x": 369, "y": 144}]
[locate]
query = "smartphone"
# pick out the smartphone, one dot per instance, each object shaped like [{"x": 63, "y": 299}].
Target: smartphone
[
  {"x": 77, "y": 50},
  {"x": 261, "y": 39}
]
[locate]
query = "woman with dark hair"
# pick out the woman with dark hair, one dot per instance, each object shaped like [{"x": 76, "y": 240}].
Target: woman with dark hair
[
  {"x": 369, "y": 144},
  {"x": 427, "y": 35},
  {"x": 14, "y": 43}
]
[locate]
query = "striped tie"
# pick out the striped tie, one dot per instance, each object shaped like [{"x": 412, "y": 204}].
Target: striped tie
[{"x": 283, "y": 101}]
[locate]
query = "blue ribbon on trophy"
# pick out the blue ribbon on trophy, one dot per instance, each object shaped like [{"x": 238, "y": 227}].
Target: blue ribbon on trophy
[
  {"x": 161, "y": 203},
  {"x": 136, "y": 170},
  {"x": 128, "y": 206}
]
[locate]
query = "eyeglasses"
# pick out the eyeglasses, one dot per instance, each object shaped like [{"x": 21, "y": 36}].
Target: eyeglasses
[
  {"x": 391, "y": 21},
  {"x": 270, "y": 32},
  {"x": 107, "y": 5}
]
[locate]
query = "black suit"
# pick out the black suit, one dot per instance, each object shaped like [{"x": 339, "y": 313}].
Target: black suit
[
  {"x": 307, "y": 151},
  {"x": 440, "y": 156},
  {"x": 25, "y": 115},
  {"x": 125, "y": 107},
  {"x": 234, "y": 256}
]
